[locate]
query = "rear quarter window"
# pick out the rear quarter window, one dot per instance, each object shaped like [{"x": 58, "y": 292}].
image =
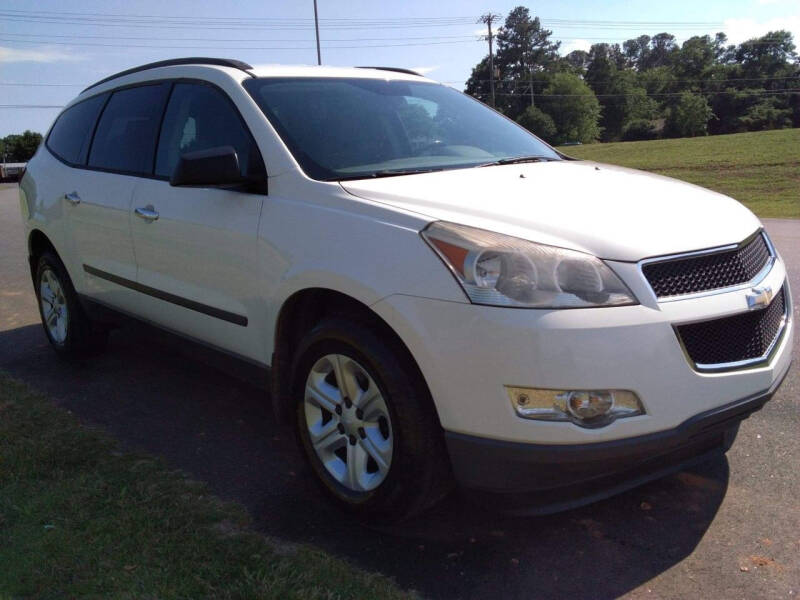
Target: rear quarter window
[
  {"x": 69, "y": 138},
  {"x": 125, "y": 139}
]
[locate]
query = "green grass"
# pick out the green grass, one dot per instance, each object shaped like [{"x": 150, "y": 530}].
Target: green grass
[
  {"x": 760, "y": 169},
  {"x": 80, "y": 519}
]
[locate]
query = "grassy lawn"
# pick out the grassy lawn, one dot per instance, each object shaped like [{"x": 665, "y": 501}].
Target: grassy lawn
[
  {"x": 760, "y": 169},
  {"x": 80, "y": 519}
]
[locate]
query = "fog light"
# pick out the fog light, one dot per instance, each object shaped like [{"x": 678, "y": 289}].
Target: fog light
[
  {"x": 590, "y": 405},
  {"x": 586, "y": 408}
]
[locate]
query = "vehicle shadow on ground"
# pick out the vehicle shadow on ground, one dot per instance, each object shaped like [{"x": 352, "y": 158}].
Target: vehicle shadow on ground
[{"x": 158, "y": 394}]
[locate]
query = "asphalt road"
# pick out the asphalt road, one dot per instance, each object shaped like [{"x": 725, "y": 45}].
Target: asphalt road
[{"x": 728, "y": 529}]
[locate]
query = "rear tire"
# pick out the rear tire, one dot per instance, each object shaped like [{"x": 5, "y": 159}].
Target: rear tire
[
  {"x": 66, "y": 325},
  {"x": 366, "y": 422}
]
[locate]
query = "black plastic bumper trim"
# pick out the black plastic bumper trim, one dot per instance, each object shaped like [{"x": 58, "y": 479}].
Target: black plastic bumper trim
[
  {"x": 513, "y": 467},
  {"x": 167, "y": 297}
]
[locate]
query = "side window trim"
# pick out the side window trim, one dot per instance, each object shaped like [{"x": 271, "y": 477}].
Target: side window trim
[
  {"x": 161, "y": 128},
  {"x": 228, "y": 99},
  {"x": 155, "y": 82},
  {"x": 171, "y": 82},
  {"x": 91, "y": 136},
  {"x": 94, "y": 128}
]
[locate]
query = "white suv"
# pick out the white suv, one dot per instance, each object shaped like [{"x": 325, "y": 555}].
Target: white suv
[{"x": 437, "y": 294}]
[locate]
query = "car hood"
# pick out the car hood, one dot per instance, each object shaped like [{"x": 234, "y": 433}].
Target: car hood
[{"x": 611, "y": 212}]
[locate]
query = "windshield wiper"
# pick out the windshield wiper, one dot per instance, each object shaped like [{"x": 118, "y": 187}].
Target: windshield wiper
[
  {"x": 386, "y": 173},
  {"x": 515, "y": 160}
]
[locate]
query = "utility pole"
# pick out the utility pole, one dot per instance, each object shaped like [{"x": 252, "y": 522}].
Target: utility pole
[
  {"x": 532, "y": 102},
  {"x": 316, "y": 27},
  {"x": 488, "y": 19}
]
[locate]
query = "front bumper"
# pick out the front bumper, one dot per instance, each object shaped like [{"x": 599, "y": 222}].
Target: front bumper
[
  {"x": 468, "y": 353},
  {"x": 565, "y": 476}
]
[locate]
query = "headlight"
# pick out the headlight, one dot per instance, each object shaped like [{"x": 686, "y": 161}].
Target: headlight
[{"x": 501, "y": 270}]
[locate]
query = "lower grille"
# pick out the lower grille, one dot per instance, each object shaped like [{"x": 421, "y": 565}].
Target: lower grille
[{"x": 744, "y": 337}]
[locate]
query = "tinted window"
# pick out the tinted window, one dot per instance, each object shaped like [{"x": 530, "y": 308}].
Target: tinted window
[
  {"x": 126, "y": 134},
  {"x": 69, "y": 138},
  {"x": 199, "y": 117},
  {"x": 340, "y": 128}
]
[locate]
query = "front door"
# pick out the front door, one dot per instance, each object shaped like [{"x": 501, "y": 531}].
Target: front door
[{"x": 196, "y": 246}]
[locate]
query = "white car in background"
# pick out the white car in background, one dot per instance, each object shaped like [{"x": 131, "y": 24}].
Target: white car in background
[{"x": 437, "y": 294}]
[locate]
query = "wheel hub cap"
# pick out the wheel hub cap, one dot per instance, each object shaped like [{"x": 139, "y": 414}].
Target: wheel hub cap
[
  {"x": 348, "y": 423},
  {"x": 54, "y": 306}
]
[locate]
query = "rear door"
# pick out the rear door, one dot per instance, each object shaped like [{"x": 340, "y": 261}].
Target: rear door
[
  {"x": 121, "y": 153},
  {"x": 196, "y": 246}
]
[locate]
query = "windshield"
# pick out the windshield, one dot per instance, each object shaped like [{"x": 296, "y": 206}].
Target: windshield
[{"x": 351, "y": 128}]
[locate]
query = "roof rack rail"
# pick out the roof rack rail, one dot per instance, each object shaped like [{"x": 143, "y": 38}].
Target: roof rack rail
[
  {"x": 395, "y": 69},
  {"x": 193, "y": 60}
]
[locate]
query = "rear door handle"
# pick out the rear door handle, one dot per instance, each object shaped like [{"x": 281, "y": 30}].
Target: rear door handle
[
  {"x": 73, "y": 198},
  {"x": 148, "y": 213}
]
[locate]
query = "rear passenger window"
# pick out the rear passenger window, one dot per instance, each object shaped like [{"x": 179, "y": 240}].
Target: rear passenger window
[
  {"x": 126, "y": 134},
  {"x": 199, "y": 117},
  {"x": 69, "y": 138}
]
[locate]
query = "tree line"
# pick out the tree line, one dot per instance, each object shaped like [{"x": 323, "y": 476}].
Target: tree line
[
  {"x": 645, "y": 88},
  {"x": 19, "y": 147}
]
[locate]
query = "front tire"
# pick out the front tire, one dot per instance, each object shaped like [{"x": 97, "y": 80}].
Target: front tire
[
  {"x": 65, "y": 323},
  {"x": 366, "y": 422}
]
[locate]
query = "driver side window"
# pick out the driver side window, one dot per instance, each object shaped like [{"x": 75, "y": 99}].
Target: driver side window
[{"x": 200, "y": 117}]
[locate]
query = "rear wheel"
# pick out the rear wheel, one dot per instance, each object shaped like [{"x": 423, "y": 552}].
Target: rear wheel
[
  {"x": 366, "y": 422},
  {"x": 66, "y": 325}
]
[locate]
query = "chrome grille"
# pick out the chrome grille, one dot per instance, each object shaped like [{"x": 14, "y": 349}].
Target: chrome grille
[{"x": 711, "y": 271}]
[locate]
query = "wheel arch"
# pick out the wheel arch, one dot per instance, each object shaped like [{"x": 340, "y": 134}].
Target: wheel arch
[
  {"x": 38, "y": 243},
  {"x": 298, "y": 314}
]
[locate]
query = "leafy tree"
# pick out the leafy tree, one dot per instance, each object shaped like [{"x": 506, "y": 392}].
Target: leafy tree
[
  {"x": 690, "y": 116},
  {"x": 696, "y": 56},
  {"x": 662, "y": 49},
  {"x": 478, "y": 82},
  {"x": 539, "y": 123},
  {"x": 574, "y": 108},
  {"x": 626, "y": 101},
  {"x": 767, "y": 114},
  {"x": 21, "y": 147},
  {"x": 772, "y": 55},
  {"x": 524, "y": 54},
  {"x": 636, "y": 51},
  {"x": 578, "y": 60},
  {"x": 644, "y": 82},
  {"x": 523, "y": 47},
  {"x": 639, "y": 129},
  {"x": 602, "y": 67}
]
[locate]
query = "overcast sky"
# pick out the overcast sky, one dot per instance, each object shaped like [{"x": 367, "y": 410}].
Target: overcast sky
[{"x": 70, "y": 45}]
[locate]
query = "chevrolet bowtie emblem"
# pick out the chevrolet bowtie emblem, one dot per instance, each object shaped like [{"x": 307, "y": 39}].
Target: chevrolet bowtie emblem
[{"x": 759, "y": 297}]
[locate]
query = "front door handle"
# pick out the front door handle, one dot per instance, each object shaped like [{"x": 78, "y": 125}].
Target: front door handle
[
  {"x": 148, "y": 213},
  {"x": 73, "y": 198}
]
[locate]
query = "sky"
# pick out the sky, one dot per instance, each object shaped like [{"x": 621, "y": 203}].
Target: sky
[{"x": 50, "y": 50}]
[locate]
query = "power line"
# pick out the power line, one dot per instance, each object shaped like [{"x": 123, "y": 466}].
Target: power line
[
  {"x": 190, "y": 47},
  {"x": 236, "y": 39},
  {"x": 249, "y": 19},
  {"x": 30, "y": 106},
  {"x": 665, "y": 94},
  {"x": 527, "y": 83}
]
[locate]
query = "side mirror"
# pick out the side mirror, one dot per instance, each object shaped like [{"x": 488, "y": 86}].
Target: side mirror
[{"x": 211, "y": 167}]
